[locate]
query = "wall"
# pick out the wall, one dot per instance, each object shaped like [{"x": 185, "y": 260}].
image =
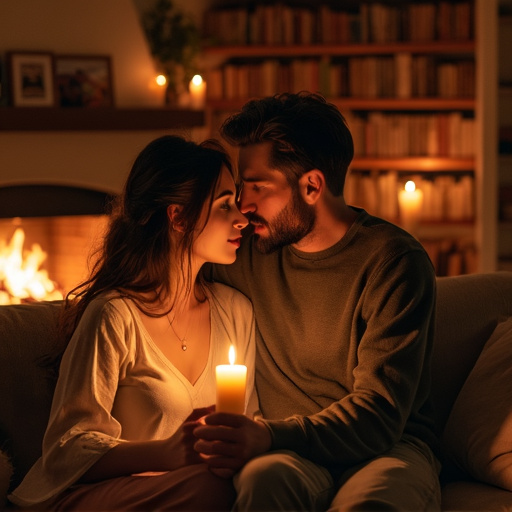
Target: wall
[{"x": 97, "y": 160}]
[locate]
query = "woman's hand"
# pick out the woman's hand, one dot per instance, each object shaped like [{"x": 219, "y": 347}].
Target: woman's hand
[
  {"x": 180, "y": 447},
  {"x": 227, "y": 441},
  {"x": 135, "y": 457}
]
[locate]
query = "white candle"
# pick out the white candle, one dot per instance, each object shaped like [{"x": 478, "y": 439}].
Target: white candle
[
  {"x": 410, "y": 201},
  {"x": 231, "y": 382},
  {"x": 197, "y": 90}
]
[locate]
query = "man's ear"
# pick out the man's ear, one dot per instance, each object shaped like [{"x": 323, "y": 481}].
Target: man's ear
[
  {"x": 312, "y": 185},
  {"x": 174, "y": 212}
]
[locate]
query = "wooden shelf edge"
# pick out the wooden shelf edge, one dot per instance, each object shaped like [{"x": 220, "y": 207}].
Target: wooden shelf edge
[
  {"x": 420, "y": 164},
  {"x": 414, "y": 104},
  {"x": 253, "y": 50},
  {"x": 97, "y": 119}
]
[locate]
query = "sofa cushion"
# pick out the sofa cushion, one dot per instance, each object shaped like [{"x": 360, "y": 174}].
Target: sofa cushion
[
  {"x": 475, "y": 496},
  {"x": 478, "y": 433},
  {"x": 27, "y": 334}
]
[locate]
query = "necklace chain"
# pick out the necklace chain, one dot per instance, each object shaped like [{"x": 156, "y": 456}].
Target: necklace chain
[{"x": 183, "y": 340}]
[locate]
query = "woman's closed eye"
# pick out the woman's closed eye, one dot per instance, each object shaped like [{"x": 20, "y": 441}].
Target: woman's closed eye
[{"x": 227, "y": 206}]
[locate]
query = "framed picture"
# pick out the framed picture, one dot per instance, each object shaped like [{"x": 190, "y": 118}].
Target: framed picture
[
  {"x": 31, "y": 81},
  {"x": 84, "y": 81}
]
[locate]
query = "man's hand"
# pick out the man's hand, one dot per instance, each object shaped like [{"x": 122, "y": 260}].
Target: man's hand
[{"x": 227, "y": 441}]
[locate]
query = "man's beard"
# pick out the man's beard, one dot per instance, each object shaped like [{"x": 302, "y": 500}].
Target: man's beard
[{"x": 291, "y": 225}]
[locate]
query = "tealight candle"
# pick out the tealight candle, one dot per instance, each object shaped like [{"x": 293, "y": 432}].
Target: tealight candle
[
  {"x": 410, "y": 201},
  {"x": 197, "y": 90},
  {"x": 231, "y": 383}
]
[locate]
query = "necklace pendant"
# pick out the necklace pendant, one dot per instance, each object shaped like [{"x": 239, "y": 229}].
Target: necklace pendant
[{"x": 183, "y": 346}]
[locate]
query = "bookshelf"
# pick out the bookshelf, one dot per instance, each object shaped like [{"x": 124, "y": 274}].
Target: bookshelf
[
  {"x": 413, "y": 84},
  {"x": 505, "y": 136}
]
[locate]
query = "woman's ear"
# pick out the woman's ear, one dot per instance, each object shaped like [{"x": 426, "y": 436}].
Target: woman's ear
[
  {"x": 174, "y": 212},
  {"x": 311, "y": 185}
]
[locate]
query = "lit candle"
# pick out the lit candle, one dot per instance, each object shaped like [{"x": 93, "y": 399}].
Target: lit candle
[
  {"x": 410, "y": 201},
  {"x": 197, "y": 90},
  {"x": 231, "y": 381}
]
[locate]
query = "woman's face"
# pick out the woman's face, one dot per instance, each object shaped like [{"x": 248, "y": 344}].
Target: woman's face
[{"x": 220, "y": 238}]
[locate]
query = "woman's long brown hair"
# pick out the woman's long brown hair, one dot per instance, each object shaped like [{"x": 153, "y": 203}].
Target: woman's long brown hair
[{"x": 134, "y": 259}]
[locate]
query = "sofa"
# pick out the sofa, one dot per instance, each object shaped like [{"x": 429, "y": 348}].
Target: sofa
[{"x": 471, "y": 389}]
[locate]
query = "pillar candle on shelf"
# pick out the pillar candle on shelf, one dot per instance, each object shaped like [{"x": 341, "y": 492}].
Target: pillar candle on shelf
[
  {"x": 231, "y": 382},
  {"x": 410, "y": 201},
  {"x": 197, "y": 91}
]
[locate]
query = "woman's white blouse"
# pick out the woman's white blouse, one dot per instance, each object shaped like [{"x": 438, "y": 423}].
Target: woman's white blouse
[{"x": 116, "y": 385}]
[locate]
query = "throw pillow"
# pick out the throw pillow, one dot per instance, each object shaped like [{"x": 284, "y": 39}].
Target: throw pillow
[{"x": 478, "y": 433}]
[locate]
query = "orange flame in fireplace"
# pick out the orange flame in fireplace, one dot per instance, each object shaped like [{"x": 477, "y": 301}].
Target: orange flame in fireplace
[{"x": 21, "y": 279}]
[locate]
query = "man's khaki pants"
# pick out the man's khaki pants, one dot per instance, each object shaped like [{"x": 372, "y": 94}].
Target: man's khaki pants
[{"x": 406, "y": 478}]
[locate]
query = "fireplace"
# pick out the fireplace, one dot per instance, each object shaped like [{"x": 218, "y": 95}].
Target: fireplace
[{"x": 66, "y": 222}]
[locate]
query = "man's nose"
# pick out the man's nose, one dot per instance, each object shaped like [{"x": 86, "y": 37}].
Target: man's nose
[{"x": 245, "y": 205}]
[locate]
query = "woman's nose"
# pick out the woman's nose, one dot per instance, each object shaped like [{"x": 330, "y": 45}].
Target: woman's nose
[{"x": 240, "y": 222}]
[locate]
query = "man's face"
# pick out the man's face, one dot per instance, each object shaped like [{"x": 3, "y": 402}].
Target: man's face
[{"x": 276, "y": 210}]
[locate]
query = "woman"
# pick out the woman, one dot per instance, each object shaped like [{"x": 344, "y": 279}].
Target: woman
[{"x": 147, "y": 333}]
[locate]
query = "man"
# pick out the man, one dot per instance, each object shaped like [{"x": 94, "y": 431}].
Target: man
[{"x": 344, "y": 307}]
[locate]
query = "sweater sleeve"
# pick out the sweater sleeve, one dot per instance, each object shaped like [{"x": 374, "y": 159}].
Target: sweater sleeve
[
  {"x": 393, "y": 328},
  {"x": 81, "y": 428}
]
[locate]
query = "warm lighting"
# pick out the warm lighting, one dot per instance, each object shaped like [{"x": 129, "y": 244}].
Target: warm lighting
[
  {"x": 231, "y": 383},
  {"x": 161, "y": 80},
  {"x": 231, "y": 355},
  {"x": 410, "y": 186},
  {"x": 410, "y": 201},
  {"x": 197, "y": 90},
  {"x": 20, "y": 276}
]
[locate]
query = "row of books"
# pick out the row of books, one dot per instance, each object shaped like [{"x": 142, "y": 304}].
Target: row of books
[
  {"x": 399, "y": 135},
  {"x": 445, "y": 197},
  {"x": 287, "y": 23},
  {"x": 398, "y": 76},
  {"x": 452, "y": 257}
]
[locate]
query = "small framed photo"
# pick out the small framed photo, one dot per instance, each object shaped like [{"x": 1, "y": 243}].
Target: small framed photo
[
  {"x": 31, "y": 80},
  {"x": 84, "y": 81}
]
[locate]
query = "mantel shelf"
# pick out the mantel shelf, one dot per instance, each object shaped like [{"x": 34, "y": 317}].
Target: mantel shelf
[{"x": 97, "y": 119}]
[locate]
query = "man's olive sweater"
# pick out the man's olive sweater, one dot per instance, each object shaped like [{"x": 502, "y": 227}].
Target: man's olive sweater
[{"x": 344, "y": 340}]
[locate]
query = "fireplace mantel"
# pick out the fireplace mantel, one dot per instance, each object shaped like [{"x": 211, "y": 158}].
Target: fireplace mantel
[{"x": 75, "y": 119}]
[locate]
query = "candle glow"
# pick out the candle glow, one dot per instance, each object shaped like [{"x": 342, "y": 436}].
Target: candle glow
[
  {"x": 231, "y": 382},
  {"x": 410, "y": 201},
  {"x": 161, "y": 80},
  {"x": 197, "y": 90}
]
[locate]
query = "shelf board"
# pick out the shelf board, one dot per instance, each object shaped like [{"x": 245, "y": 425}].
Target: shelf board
[
  {"x": 349, "y": 103},
  {"x": 422, "y": 164},
  {"x": 85, "y": 119},
  {"x": 318, "y": 50}
]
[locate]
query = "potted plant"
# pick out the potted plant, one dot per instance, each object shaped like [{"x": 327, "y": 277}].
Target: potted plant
[{"x": 174, "y": 42}]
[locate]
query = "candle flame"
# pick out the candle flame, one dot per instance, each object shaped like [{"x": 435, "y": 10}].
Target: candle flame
[
  {"x": 197, "y": 79},
  {"x": 410, "y": 186},
  {"x": 161, "y": 80},
  {"x": 231, "y": 355}
]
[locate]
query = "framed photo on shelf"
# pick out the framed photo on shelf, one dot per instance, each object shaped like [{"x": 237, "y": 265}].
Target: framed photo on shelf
[
  {"x": 84, "y": 81},
  {"x": 31, "y": 82}
]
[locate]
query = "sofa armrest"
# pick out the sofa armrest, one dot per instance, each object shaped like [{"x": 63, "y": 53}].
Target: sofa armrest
[{"x": 6, "y": 472}]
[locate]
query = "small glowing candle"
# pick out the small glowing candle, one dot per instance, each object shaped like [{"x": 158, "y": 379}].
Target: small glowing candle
[
  {"x": 410, "y": 201},
  {"x": 197, "y": 90},
  {"x": 161, "y": 80},
  {"x": 231, "y": 382}
]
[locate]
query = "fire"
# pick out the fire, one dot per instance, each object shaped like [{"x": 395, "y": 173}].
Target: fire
[{"x": 21, "y": 279}]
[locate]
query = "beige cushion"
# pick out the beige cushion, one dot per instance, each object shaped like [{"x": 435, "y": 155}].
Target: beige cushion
[{"x": 478, "y": 433}]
